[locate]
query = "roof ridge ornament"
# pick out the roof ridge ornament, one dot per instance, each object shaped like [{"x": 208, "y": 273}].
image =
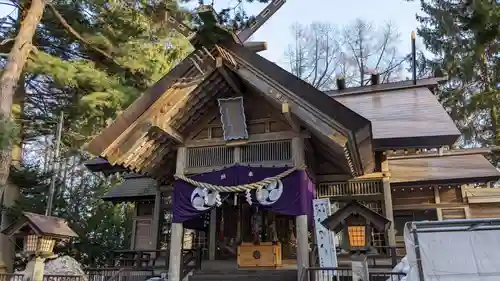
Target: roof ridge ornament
[{"x": 212, "y": 31}]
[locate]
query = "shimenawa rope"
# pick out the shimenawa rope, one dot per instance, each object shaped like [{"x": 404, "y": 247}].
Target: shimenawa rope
[{"x": 238, "y": 188}]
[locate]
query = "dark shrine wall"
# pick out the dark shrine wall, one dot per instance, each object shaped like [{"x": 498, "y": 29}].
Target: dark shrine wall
[{"x": 261, "y": 117}]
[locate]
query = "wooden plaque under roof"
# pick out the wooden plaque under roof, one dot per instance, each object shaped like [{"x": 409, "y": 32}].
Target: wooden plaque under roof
[{"x": 233, "y": 119}]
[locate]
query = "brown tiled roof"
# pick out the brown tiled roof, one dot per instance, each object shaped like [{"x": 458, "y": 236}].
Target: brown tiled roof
[{"x": 454, "y": 169}]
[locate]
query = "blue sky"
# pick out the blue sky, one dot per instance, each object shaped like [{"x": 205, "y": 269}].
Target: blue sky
[{"x": 276, "y": 32}]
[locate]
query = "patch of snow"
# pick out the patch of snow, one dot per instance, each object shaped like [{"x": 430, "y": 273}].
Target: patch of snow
[
  {"x": 156, "y": 279},
  {"x": 402, "y": 266},
  {"x": 64, "y": 265}
]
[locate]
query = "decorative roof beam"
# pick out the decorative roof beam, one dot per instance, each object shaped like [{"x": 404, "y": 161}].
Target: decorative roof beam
[
  {"x": 167, "y": 129},
  {"x": 163, "y": 109},
  {"x": 279, "y": 96},
  {"x": 285, "y": 109},
  {"x": 177, "y": 24},
  {"x": 230, "y": 81},
  {"x": 260, "y": 19},
  {"x": 256, "y": 46}
]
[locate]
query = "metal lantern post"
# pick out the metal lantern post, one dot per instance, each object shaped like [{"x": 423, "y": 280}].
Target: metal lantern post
[
  {"x": 40, "y": 235},
  {"x": 356, "y": 223}
]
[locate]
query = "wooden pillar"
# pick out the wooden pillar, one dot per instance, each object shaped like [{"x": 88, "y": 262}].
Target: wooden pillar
[
  {"x": 157, "y": 213},
  {"x": 177, "y": 230},
  {"x": 463, "y": 189},
  {"x": 34, "y": 269},
  {"x": 134, "y": 228},
  {"x": 212, "y": 234},
  {"x": 301, "y": 221},
  {"x": 437, "y": 200},
  {"x": 388, "y": 207}
]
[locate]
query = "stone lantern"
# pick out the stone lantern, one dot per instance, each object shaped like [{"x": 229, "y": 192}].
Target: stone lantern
[
  {"x": 40, "y": 235},
  {"x": 356, "y": 222}
]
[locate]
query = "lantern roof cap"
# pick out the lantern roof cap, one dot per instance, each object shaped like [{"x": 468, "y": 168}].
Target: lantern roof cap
[
  {"x": 335, "y": 221},
  {"x": 31, "y": 223}
]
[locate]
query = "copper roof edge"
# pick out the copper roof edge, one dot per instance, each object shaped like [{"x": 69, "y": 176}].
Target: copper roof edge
[{"x": 429, "y": 82}]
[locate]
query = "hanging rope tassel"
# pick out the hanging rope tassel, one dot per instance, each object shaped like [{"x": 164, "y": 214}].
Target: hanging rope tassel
[
  {"x": 248, "y": 196},
  {"x": 218, "y": 200}
]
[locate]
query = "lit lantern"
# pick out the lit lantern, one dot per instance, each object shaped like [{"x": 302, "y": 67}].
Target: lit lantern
[
  {"x": 42, "y": 244},
  {"x": 356, "y": 222},
  {"x": 357, "y": 233},
  {"x": 40, "y": 233}
]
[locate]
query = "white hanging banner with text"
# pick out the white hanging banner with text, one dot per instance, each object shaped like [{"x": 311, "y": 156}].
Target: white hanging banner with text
[{"x": 325, "y": 239}]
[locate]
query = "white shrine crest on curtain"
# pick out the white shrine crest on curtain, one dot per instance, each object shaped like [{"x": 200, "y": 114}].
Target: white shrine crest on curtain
[
  {"x": 203, "y": 199},
  {"x": 270, "y": 193}
]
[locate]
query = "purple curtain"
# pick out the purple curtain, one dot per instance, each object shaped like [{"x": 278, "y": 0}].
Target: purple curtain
[{"x": 292, "y": 195}]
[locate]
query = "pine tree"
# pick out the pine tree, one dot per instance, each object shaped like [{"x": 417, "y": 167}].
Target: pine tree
[
  {"x": 90, "y": 59},
  {"x": 464, "y": 37}
]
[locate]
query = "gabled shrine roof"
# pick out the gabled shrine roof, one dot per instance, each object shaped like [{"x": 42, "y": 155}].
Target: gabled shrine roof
[
  {"x": 448, "y": 169},
  {"x": 144, "y": 137}
]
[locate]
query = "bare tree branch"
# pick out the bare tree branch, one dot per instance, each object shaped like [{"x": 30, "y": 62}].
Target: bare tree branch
[
  {"x": 76, "y": 34},
  {"x": 318, "y": 53}
]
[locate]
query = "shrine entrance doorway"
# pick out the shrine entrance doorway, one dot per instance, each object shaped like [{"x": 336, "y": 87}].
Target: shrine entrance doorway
[{"x": 239, "y": 223}]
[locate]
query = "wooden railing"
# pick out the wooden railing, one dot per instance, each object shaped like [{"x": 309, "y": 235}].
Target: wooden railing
[
  {"x": 386, "y": 257},
  {"x": 130, "y": 265},
  {"x": 191, "y": 260},
  {"x": 140, "y": 258},
  {"x": 352, "y": 188},
  {"x": 119, "y": 274},
  {"x": 345, "y": 274}
]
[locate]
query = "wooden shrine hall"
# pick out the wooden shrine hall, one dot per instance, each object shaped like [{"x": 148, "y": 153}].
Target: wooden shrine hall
[{"x": 231, "y": 149}]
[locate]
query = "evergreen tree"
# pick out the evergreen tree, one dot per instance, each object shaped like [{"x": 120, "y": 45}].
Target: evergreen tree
[
  {"x": 90, "y": 59},
  {"x": 464, "y": 38}
]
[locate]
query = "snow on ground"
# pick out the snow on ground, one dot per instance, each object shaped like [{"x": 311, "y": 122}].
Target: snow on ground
[
  {"x": 402, "y": 266},
  {"x": 64, "y": 265}
]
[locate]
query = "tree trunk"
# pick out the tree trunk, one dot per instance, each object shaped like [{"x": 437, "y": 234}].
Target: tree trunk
[{"x": 8, "y": 83}]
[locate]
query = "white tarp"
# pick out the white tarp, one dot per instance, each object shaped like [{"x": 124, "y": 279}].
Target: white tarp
[{"x": 465, "y": 255}]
